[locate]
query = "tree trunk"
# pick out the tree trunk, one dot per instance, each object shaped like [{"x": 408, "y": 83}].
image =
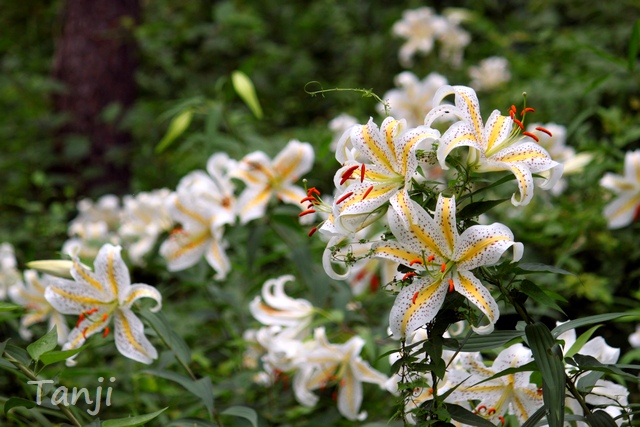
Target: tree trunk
[{"x": 95, "y": 59}]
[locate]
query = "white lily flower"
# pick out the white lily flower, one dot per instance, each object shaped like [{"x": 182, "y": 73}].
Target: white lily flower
[
  {"x": 433, "y": 246},
  {"x": 496, "y": 146},
  {"x": 9, "y": 274},
  {"x": 339, "y": 126},
  {"x": 420, "y": 27},
  {"x": 277, "y": 308},
  {"x": 390, "y": 164},
  {"x": 95, "y": 225},
  {"x": 325, "y": 364},
  {"x": 194, "y": 206},
  {"x": 98, "y": 297},
  {"x": 30, "y": 294},
  {"x": 490, "y": 73},
  {"x": 413, "y": 98},
  {"x": 142, "y": 219},
  {"x": 513, "y": 393},
  {"x": 265, "y": 178},
  {"x": 623, "y": 210}
]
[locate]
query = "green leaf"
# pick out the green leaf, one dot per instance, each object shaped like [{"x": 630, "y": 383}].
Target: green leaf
[
  {"x": 586, "y": 321},
  {"x": 486, "y": 342},
  {"x": 176, "y": 344},
  {"x": 17, "y": 402},
  {"x": 178, "y": 125},
  {"x": 548, "y": 357},
  {"x": 465, "y": 416},
  {"x": 590, "y": 363},
  {"x": 600, "y": 419},
  {"x": 243, "y": 412},
  {"x": 7, "y": 306},
  {"x": 535, "y": 267},
  {"x": 58, "y": 356},
  {"x": 190, "y": 422},
  {"x": 492, "y": 185},
  {"x": 245, "y": 89},
  {"x": 634, "y": 45},
  {"x": 476, "y": 209},
  {"x": 534, "y": 292},
  {"x": 580, "y": 342},
  {"x": 535, "y": 417},
  {"x": 132, "y": 421},
  {"x": 46, "y": 343},
  {"x": 201, "y": 388},
  {"x": 528, "y": 367}
]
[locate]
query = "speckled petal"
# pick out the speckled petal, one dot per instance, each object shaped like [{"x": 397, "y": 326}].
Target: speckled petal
[
  {"x": 445, "y": 220},
  {"x": 411, "y": 311},
  {"x": 528, "y": 154},
  {"x": 473, "y": 290},
  {"x": 112, "y": 271},
  {"x": 350, "y": 397},
  {"x": 497, "y": 129},
  {"x": 398, "y": 252},
  {"x": 216, "y": 256},
  {"x": 459, "y": 134},
  {"x": 183, "y": 250},
  {"x": 254, "y": 169},
  {"x": 468, "y": 105},
  {"x": 372, "y": 144},
  {"x": 482, "y": 245},
  {"x": 70, "y": 297},
  {"x": 252, "y": 203},
  {"x": 408, "y": 143},
  {"x": 140, "y": 290},
  {"x": 130, "y": 339}
]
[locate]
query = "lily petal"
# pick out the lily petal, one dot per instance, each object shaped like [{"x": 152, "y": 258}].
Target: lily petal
[
  {"x": 295, "y": 160},
  {"x": 411, "y": 311},
  {"x": 183, "y": 249},
  {"x": 216, "y": 255},
  {"x": 253, "y": 201},
  {"x": 483, "y": 245},
  {"x": 138, "y": 291},
  {"x": 350, "y": 397},
  {"x": 130, "y": 338},
  {"x": 622, "y": 210},
  {"x": 69, "y": 297},
  {"x": 112, "y": 271},
  {"x": 473, "y": 290},
  {"x": 371, "y": 142}
]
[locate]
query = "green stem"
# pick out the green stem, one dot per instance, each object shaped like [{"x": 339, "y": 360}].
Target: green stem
[{"x": 33, "y": 377}]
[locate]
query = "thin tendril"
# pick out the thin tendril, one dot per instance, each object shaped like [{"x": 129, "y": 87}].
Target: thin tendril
[{"x": 366, "y": 93}]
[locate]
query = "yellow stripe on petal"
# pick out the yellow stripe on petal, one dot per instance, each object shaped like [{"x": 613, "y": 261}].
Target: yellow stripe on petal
[
  {"x": 423, "y": 297},
  {"x": 495, "y": 132},
  {"x": 419, "y": 232},
  {"x": 521, "y": 157},
  {"x": 290, "y": 166},
  {"x": 622, "y": 210},
  {"x": 80, "y": 299},
  {"x": 90, "y": 330},
  {"x": 197, "y": 241},
  {"x": 448, "y": 227},
  {"x": 478, "y": 298},
  {"x": 260, "y": 199},
  {"x": 197, "y": 217},
  {"x": 408, "y": 147},
  {"x": 398, "y": 253},
  {"x": 87, "y": 277},
  {"x": 126, "y": 331},
  {"x": 111, "y": 274},
  {"x": 375, "y": 149},
  {"x": 473, "y": 111},
  {"x": 390, "y": 134},
  {"x": 140, "y": 293},
  {"x": 479, "y": 247}
]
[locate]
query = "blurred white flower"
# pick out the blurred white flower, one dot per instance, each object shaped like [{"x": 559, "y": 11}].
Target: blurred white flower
[
  {"x": 414, "y": 98},
  {"x": 453, "y": 39},
  {"x": 143, "y": 218},
  {"x": 9, "y": 274},
  {"x": 555, "y": 144},
  {"x": 623, "y": 209},
  {"x": 490, "y": 74},
  {"x": 339, "y": 126},
  {"x": 30, "y": 294},
  {"x": 634, "y": 338},
  {"x": 419, "y": 27}
]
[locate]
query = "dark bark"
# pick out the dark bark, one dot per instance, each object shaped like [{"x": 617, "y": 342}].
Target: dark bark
[{"x": 95, "y": 59}]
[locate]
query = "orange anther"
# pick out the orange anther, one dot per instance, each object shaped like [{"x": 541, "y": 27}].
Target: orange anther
[
  {"x": 343, "y": 198},
  {"x": 106, "y": 332},
  {"x": 481, "y": 408},
  {"x": 313, "y": 230},
  {"x": 307, "y": 212},
  {"x": 443, "y": 267},
  {"x": 491, "y": 411},
  {"x": 415, "y": 296},
  {"x": 308, "y": 199},
  {"x": 519, "y": 123},
  {"x": 104, "y": 317},
  {"x": 501, "y": 418},
  {"x": 513, "y": 108},
  {"x": 366, "y": 193},
  {"x": 532, "y": 136},
  {"x": 451, "y": 286},
  {"x": 84, "y": 333},
  {"x": 415, "y": 261},
  {"x": 347, "y": 174},
  {"x": 527, "y": 110},
  {"x": 541, "y": 129},
  {"x": 363, "y": 170},
  {"x": 431, "y": 258},
  {"x": 512, "y": 114},
  {"x": 374, "y": 283},
  {"x": 80, "y": 319},
  {"x": 93, "y": 310},
  {"x": 409, "y": 274},
  {"x": 312, "y": 190}
]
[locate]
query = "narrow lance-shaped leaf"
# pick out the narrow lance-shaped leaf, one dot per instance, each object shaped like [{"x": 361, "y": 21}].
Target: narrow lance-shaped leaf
[
  {"x": 586, "y": 321},
  {"x": 548, "y": 357},
  {"x": 243, "y": 412},
  {"x": 17, "y": 402},
  {"x": 132, "y": 421},
  {"x": 600, "y": 419},
  {"x": 634, "y": 45},
  {"x": 245, "y": 89},
  {"x": 201, "y": 388},
  {"x": 178, "y": 125},
  {"x": 537, "y": 294}
]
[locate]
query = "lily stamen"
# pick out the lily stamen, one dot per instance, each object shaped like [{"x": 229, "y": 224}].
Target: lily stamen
[
  {"x": 415, "y": 296},
  {"x": 409, "y": 274},
  {"x": 501, "y": 418},
  {"x": 106, "y": 332},
  {"x": 347, "y": 174},
  {"x": 547, "y": 131},
  {"x": 519, "y": 123},
  {"x": 366, "y": 193},
  {"x": 313, "y": 190},
  {"x": 307, "y": 212},
  {"x": 362, "y": 172},
  {"x": 443, "y": 267},
  {"x": 451, "y": 285},
  {"x": 345, "y": 197},
  {"x": 431, "y": 258},
  {"x": 308, "y": 199},
  {"x": 415, "y": 261},
  {"x": 312, "y": 232},
  {"x": 491, "y": 411},
  {"x": 532, "y": 136}
]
